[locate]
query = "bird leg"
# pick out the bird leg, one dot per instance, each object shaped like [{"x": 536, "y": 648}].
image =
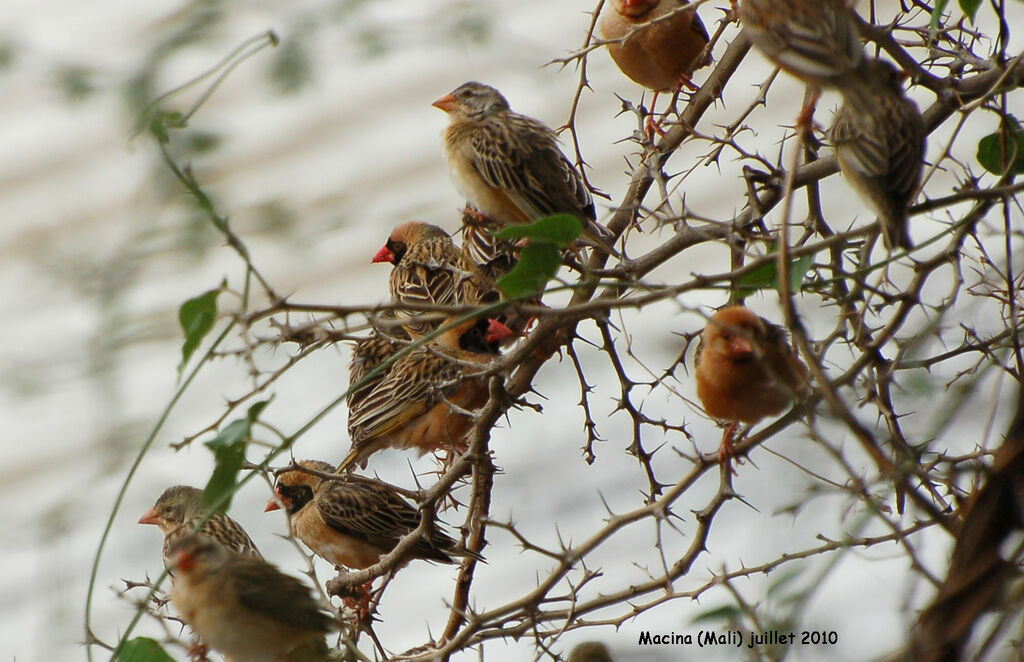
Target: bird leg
[
  {"x": 806, "y": 116},
  {"x": 727, "y": 451},
  {"x": 198, "y": 652},
  {"x": 650, "y": 124},
  {"x": 359, "y": 602}
]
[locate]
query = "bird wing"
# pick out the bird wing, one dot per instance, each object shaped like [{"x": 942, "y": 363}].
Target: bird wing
[
  {"x": 521, "y": 158},
  {"x": 866, "y": 152},
  {"x": 366, "y": 512},
  {"x": 406, "y": 392},
  {"x": 282, "y": 598}
]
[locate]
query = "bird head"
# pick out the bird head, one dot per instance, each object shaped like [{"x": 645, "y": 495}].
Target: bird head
[
  {"x": 736, "y": 333},
  {"x": 175, "y": 505},
  {"x": 474, "y": 100},
  {"x": 197, "y": 553},
  {"x": 294, "y": 489}
]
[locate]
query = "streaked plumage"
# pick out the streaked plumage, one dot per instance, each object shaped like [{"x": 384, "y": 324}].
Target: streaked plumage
[
  {"x": 407, "y": 408},
  {"x": 244, "y": 607},
  {"x": 178, "y": 512},
  {"x": 746, "y": 370},
  {"x": 879, "y": 138},
  {"x": 815, "y": 40},
  {"x": 353, "y": 522},
  {"x": 493, "y": 257},
  {"x": 662, "y": 55},
  {"x": 430, "y": 269},
  {"x": 509, "y": 166}
]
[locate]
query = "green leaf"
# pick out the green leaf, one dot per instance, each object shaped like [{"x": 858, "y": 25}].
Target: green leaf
[
  {"x": 229, "y": 453},
  {"x": 196, "y": 317},
  {"x": 143, "y": 649},
  {"x": 538, "y": 263},
  {"x": 1003, "y": 151},
  {"x": 970, "y": 8},
  {"x": 766, "y": 276},
  {"x": 724, "y": 614},
  {"x": 560, "y": 230},
  {"x": 798, "y": 269}
]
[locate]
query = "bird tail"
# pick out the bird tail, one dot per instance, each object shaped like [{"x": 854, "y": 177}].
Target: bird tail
[
  {"x": 352, "y": 456},
  {"x": 894, "y": 233}
]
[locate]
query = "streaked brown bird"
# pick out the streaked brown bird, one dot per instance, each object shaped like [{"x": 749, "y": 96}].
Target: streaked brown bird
[
  {"x": 815, "y": 40},
  {"x": 509, "y": 166},
  {"x": 879, "y": 138},
  {"x": 244, "y": 607},
  {"x": 355, "y": 521},
  {"x": 430, "y": 269},
  {"x": 178, "y": 512},
  {"x": 746, "y": 370},
  {"x": 409, "y": 406},
  {"x": 662, "y": 56}
]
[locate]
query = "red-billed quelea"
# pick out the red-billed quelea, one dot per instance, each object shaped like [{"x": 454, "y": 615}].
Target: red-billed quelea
[
  {"x": 410, "y": 406},
  {"x": 244, "y": 607},
  {"x": 661, "y": 56},
  {"x": 879, "y": 138},
  {"x": 430, "y": 269},
  {"x": 509, "y": 166},
  {"x": 354, "y": 521},
  {"x": 179, "y": 511},
  {"x": 746, "y": 370}
]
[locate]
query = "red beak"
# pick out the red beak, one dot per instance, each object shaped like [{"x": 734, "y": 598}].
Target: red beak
[
  {"x": 272, "y": 504},
  {"x": 496, "y": 331},
  {"x": 150, "y": 517},
  {"x": 446, "y": 103},
  {"x": 384, "y": 255},
  {"x": 740, "y": 347}
]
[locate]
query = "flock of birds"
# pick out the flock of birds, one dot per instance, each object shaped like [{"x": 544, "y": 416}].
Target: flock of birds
[{"x": 512, "y": 171}]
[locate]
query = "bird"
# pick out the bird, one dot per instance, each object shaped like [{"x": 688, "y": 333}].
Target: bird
[
  {"x": 879, "y": 138},
  {"x": 245, "y": 607},
  {"x": 590, "y": 651},
  {"x": 509, "y": 166},
  {"x": 409, "y": 406},
  {"x": 746, "y": 370},
  {"x": 430, "y": 269},
  {"x": 662, "y": 56},
  {"x": 368, "y": 353},
  {"x": 816, "y": 41},
  {"x": 355, "y": 521},
  {"x": 180, "y": 510}
]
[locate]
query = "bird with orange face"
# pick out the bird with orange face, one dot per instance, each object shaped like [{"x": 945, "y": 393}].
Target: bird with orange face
[
  {"x": 430, "y": 269},
  {"x": 509, "y": 166},
  {"x": 879, "y": 137},
  {"x": 661, "y": 56},
  {"x": 746, "y": 371},
  {"x": 354, "y": 521},
  {"x": 410, "y": 405},
  {"x": 179, "y": 511},
  {"x": 244, "y": 607}
]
